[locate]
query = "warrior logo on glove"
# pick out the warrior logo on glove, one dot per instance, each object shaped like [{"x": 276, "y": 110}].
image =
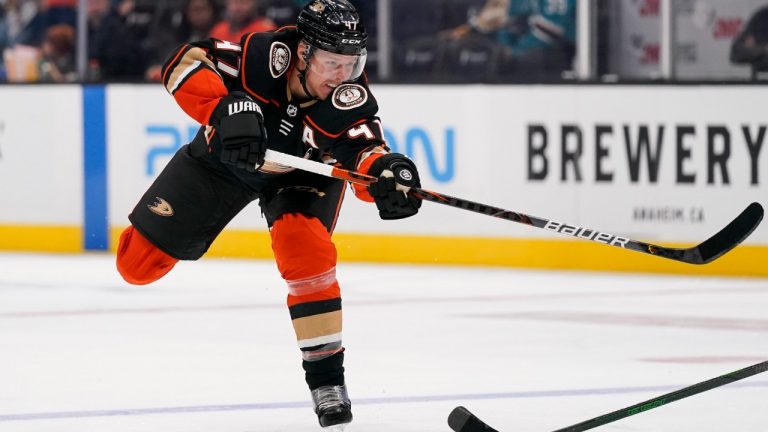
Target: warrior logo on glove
[{"x": 240, "y": 106}]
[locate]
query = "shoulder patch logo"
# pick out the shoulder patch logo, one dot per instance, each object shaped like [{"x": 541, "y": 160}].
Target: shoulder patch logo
[
  {"x": 348, "y": 96},
  {"x": 161, "y": 207},
  {"x": 279, "y": 59}
]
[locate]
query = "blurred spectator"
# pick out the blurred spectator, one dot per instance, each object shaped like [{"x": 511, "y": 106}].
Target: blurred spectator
[
  {"x": 113, "y": 49},
  {"x": 138, "y": 15},
  {"x": 24, "y": 25},
  {"x": 25, "y": 21},
  {"x": 751, "y": 45},
  {"x": 60, "y": 12},
  {"x": 282, "y": 12},
  {"x": 58, "y": 55},
  {"x": 199, "y": 18},
  {"x": 3, "y": 39},
  {"x": 192, "y": 23},
  {"x": 240, "y": 17},
  {"x": 537, "y": 37}
]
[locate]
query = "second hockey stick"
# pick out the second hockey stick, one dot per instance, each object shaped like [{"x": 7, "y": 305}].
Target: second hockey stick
[
  {"x": 462, "y": 420},
  {"x": 716, "y": 246}
]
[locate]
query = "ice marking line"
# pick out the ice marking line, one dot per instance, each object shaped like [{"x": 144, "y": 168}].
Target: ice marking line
[
  {"x": 356, "y": 401},
  {"x": 704, "y": 359},
  {"x": 123, "y": 311},
  {"x": 409, "y": 301},
  {"x": 636, "y": 320}
]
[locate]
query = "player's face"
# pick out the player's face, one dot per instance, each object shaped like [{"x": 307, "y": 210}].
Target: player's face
[{"x": 328, "y": 70}]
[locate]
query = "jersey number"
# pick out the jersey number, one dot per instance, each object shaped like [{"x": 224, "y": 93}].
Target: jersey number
[
  {"x": 232, "y": 70},
  {"x": 362, "y": 130}
]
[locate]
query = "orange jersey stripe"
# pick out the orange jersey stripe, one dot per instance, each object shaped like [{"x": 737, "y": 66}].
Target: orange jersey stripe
[
  {"x": 200, "y": 94},
  {"x": 361, "y": 191}
]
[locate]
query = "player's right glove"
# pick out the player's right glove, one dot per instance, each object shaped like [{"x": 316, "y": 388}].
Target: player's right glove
[
  {"x": 397, "y": 175},
  {"x": 240, "y": 124}
]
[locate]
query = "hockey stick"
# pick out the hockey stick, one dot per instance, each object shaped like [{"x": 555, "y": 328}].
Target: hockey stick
[
  {"x": 711, "y": 249},
  {"x": 461, "y": 420}
]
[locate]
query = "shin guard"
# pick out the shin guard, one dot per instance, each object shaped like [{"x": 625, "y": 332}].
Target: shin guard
[{"x": 306, "y": 258}]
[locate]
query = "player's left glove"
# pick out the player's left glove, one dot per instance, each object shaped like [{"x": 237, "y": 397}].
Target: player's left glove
[
  {"x": 240, "y": 124},
  {"x": 397, "y": 175}
]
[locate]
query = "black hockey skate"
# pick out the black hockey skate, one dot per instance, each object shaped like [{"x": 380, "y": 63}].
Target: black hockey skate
[{"x": 332, "y": 406}]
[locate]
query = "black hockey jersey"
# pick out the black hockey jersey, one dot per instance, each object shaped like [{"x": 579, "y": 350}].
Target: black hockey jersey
[{"x": 344, "y": 127}]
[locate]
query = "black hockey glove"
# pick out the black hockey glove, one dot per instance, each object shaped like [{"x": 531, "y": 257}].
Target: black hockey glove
[
  {"x": 397, "y": 174},
  {"x": 240, "y": 125}
]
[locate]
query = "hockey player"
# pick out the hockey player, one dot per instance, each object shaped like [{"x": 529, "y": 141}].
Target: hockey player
[{"x": 298, "y": 90}]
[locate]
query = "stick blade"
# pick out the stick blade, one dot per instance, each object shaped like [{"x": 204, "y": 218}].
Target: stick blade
[
  {"x": 732, "y": 235},
  {"x": 458, "y": 418},
  {"x": 461, "y": 420}
]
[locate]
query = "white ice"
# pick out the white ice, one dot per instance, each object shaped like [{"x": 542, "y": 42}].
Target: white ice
[{"x": 210, "y": 348}]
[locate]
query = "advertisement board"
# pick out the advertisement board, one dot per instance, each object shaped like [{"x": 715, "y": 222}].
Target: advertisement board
[
  {"x": 41, "y": 161},
  {"x": 662, "y": 164}
]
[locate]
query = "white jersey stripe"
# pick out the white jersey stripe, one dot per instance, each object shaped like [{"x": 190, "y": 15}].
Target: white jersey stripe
[
  {"x": 227, "y": 69},
  {"x": 183, "y": 75}
]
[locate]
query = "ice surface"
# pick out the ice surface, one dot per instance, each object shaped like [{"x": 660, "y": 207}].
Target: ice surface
[{"x": 210, "y": 348}]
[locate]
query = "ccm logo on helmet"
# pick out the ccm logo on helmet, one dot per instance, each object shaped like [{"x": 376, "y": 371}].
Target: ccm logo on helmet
[{"x": 351, "y": 41}]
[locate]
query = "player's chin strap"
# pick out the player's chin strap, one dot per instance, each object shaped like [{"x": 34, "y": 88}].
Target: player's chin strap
[{"x": 306, "y": 56}]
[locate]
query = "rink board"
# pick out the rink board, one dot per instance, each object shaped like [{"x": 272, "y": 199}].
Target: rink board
[{"x": 664, "y": 164}]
